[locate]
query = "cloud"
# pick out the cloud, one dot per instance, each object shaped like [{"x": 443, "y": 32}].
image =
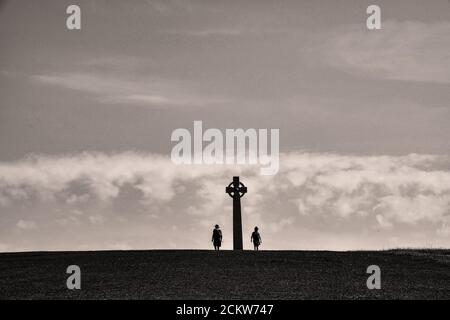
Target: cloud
[
  {"x": 318, "y": 191},
  {"x": 382, "y": 222},
  {"x": 394, "y": 189},
  {"x": 74, "y": 198},
  {"x": 212, "y": 32},
  {"x": 110, "y": 89},
  {"x": 105, "y": 246},
  {"x": 237, "y": 30},
  {"x": 407, "y": 51},
  {"x": 26, "y": 225},
  {"x": 277, "y": 226},
  {"x": 97, "y": 219},
  {"x": 444, "y": 231},
  {"x": 69, "y": 221}
]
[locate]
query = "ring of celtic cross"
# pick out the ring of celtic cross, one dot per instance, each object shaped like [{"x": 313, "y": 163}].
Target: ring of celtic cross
[{"x": 241, "y": 190}]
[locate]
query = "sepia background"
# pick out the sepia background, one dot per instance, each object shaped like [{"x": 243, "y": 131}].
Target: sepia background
[{"x": 86, "y": 117}]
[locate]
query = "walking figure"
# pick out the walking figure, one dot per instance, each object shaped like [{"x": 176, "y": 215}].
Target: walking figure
[
  {"x": 217, "y": 237},
  {"x": 256, "y": 239}
]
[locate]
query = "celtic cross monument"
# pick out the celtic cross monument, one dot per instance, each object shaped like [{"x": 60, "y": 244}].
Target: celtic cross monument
[{"x": 236, "y": 190}]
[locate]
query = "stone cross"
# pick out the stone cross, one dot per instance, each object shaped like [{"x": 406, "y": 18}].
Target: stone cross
[{"x": 236, "y": 190}]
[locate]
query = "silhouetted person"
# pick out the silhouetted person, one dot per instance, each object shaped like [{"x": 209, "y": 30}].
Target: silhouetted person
[
  {"x": 256, "y": 239},
  {"x": 217, "y": 237}
]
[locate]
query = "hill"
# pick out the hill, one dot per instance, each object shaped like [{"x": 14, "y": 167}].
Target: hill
[{"x": 201, "y": 274}]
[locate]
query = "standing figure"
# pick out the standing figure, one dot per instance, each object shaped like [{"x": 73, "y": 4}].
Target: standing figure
[
  {"x": 217, "y": 237},
  {"x": 256, "y": 239}
]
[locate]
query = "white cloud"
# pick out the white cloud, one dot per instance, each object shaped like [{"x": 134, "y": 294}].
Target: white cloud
[
  {"x": 73, "y": 198},
  {"x": 408, "y": 51},
  {"x": 69, "y": 221},
  {"x": 209, "y": 32},
  {"x": 104, "y": 246},
  {"x": 26, "y": 224},
  {"x": 348, "y": 192},
  {"x": 383, "y": 222},
  {"x": 394, "y": 189},
  {"x": 120, "y": 246},
  {"x": 96, "y": 219},
  {"x": 279, "y": 225},
  {"x": 444, "y": 230},
  {"x": 116, "y": 89}
]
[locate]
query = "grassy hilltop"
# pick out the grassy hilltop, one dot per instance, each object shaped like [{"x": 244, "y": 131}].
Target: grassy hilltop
[{"x": 200, "y": 274}]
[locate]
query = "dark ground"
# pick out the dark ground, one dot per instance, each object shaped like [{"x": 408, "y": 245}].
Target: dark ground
[{"x": 197, "y": 274}]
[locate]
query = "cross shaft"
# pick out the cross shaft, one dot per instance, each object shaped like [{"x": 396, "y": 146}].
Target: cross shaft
[{"x": 236, "y": 190}]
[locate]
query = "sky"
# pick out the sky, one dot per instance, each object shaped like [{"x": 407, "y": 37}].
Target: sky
[{"x": 86, "y": 118}]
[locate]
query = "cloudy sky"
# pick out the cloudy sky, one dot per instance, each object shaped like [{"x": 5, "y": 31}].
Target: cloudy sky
[{"x": 86, "y": 118}]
